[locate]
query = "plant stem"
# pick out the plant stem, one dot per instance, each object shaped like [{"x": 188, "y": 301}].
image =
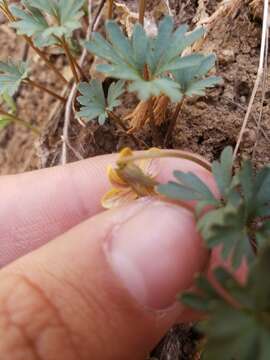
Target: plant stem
[
  {"x": 167, "y": 154},
  {"x": 71, "y": 60},
  {"x": 79, "y": 68},
  {"x": 44, "y": 58},
  {"x": 142, "y": 5},
  {"x": 11, "y": 18},
  {"x": 41, "y": 87},
  {"x": 110, "y": 9},
  {"x": 173, "y": 120},
  {"x": 20, "y": 121},
  {"x": 119, "y": 121}
]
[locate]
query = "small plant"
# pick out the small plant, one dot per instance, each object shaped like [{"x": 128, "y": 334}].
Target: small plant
[
  {"x": 49, "y": 22},
  {"x": 239, "y": 222},
  {"x": 154, "y": 67}
]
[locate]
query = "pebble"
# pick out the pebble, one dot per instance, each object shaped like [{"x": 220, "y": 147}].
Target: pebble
[{"x": 226, "y": 56}]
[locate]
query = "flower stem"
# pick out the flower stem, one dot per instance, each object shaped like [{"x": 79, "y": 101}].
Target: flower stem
[
  {"x": 20, "y": 121},
  {"x": 173, "y": 120},
  {"x": 41, "y": 87},
  {"x": 166, "y": 154},
  {"x": 142, "y": 5}
]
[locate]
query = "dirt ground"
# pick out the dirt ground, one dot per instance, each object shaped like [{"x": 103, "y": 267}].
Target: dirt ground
[{"x": 205, "y": 126}]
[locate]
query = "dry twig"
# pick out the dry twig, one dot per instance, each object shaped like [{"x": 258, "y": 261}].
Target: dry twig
[
  {"x": 259, "y": 75},
  {"x": 92, "y": 25}
]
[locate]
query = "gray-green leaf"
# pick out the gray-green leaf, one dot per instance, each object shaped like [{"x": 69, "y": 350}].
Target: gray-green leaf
[
  {"x": 11, "y": 75},
  {"x": 93, "y": 102}
]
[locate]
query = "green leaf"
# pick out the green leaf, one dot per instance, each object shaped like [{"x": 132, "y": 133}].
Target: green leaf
[
  {"x": 195, "y": 301},
  {"x": 114, "y": 92},
  {"x": 146, "y": 89},
  {"x": 140, "y": 44},
  {"x": 188, "y": 187},
  {"x": 177, "y": 42},
  {"x": 222, "y": 171},
  {"x": 130, "y": 59},
  {"x": 94, "y": 104},
  {"x": 227, "y": 227},
  {"x": 238, "y": 325},
  {"x": 199, "y": 87},
  {"x": 11, "y": 76},
  {"x": 191, "y": 78},
  {"x": 256, "y": 190},
  {"x": 44, "y": 20}
]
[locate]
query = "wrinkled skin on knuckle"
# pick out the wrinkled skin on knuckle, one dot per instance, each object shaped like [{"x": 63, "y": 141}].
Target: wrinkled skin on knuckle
[{"x": 30, "y": 325}]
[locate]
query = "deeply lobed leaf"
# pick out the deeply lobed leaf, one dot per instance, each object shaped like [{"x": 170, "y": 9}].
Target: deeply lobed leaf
[
  {"x": 192, "y": 78},
  {"x": 143, "y": 60},
  {"x": 93, "y": 101},
  {"x": 47, "y": 20},
  {"x": 238, "y": 325},
  {"x": 239, "y": 218},
  {"x": 11, "y": 75}
]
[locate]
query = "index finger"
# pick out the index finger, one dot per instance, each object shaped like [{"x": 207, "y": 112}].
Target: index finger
[{"x": 38, "y": 206}]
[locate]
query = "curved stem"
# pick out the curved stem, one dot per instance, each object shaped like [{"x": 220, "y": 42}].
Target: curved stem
[
  {"x": 38, "y": 86},
  {"x": 166, "y": 154},
  {"x": 20, "y": 121}
]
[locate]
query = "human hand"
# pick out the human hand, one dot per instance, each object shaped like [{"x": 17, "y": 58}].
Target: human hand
[{"x": 100, "y": 285}]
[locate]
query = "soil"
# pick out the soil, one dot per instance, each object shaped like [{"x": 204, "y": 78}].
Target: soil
[{"x": 205, "y": 126}]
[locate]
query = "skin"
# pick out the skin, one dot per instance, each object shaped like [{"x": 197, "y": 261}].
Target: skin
[{"x": 63, "y": 291}]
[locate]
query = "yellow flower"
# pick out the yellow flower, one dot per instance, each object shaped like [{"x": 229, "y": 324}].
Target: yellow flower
[{"x": 130, "y": 180}]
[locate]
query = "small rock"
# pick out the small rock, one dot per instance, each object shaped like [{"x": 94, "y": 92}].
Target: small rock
[
  {"x": 243, "y": 99},
  {"x": 250, "y": 136},
  {"x": 226, "y": 56}
]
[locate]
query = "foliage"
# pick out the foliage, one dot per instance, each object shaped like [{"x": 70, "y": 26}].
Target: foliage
[
  {"x": 238, "y": 326},
  {"x": 145, "y": 61},
  {"x": 238, "y": 217},
  {"x": 192, "y": 79},
  {"x": 47, "y": 20},
  {"x": 11, "y": 75},
  {"x": 93, "y": 101}
]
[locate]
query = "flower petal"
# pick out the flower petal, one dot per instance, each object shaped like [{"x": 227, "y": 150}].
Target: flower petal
[
  {"x": 116, "y": 197},
  {"x": 115, "y": 178}
]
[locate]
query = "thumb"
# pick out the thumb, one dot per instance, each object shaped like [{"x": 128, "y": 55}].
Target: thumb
[{"x": 104, "y": 290}]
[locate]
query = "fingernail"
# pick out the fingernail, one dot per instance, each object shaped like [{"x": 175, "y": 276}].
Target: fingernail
[{"x": 156, "y": 253}]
